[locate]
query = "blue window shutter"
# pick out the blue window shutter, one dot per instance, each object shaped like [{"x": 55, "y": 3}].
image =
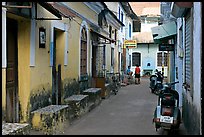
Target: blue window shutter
[
  {"x": 130, "y": 30},
  {"x": 119, "y": 13}
]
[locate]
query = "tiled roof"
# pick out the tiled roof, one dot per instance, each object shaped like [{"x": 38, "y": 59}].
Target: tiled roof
[
  {"x": 144, "y": 8},
  {"x": 143, "y": 37}
]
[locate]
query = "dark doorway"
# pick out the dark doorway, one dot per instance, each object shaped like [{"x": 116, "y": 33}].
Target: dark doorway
[
  {"x": 56, "y": 68},
  {"x": 54, "y": 71},
  {"x": 136, "y": 59},
  {"x": 94, "y": 61}
]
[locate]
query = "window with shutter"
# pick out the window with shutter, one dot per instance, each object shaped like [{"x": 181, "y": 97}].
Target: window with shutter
[
  {"x": 112, "y": 56},
  {"x": 83, "y": 56},
  {"x": 136, "y": 57},
  {"x": 159, "y": 59},
  {"x": 188, "y": 37}
]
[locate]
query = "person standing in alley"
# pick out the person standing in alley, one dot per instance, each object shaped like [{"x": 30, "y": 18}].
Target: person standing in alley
[
  {"x": 137, "y": 74},
  {"x": 129, "y": 75},
  {"x": 129, "y": 72}
]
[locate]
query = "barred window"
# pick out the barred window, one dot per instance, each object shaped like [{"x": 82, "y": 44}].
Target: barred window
[
  {"x": 112, "y": 56},
  {"x": 136, "y": 59},
  {"x": 115, "y": 36},
  {"x": 83, "y": 56},
  {"x": 121, "y": 20},
  {"x": 159, "y": 59},
  {"x": 130, "y": 30},
  {"x": 104, "y": 55},
  {"x": 110, "y": 31}
]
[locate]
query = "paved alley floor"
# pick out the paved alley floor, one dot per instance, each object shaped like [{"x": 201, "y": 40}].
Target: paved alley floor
[{"x": 130, "y": 112}]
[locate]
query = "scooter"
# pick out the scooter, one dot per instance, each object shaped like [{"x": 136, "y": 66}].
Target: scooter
[
  {"x": 167, "y": 114},
  {"x": 156, "y": 82}
]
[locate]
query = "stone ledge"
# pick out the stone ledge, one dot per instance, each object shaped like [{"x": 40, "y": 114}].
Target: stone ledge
[
  {"x": 76, "y": 98},
  {"x": 107, "y": 91},
  {"x": 50, "y": 119},
  {"x": 15, "y": 129},
  {"x": 94, "y": 97},
  {"x": 50, "y": 109},
  {"x": 78, "y": 105}
]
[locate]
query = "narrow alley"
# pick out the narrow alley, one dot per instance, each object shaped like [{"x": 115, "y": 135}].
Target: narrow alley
[{"x": 63, "y": 63}]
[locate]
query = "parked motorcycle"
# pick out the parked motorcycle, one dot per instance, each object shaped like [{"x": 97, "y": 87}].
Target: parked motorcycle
[
  {"x": 156, "y": 82},
  {"x": 115, "y": 84},
  {"x": 167, "y": 114}
]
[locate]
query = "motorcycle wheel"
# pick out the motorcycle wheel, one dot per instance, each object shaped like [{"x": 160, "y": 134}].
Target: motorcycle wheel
[
  {"x": 157, "y": 91},
  {"x": 165, "y": 132},
  {"x": 151, "y": 90}
]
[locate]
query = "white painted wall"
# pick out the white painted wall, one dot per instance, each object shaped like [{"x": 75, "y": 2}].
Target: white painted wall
[
  {"x": 146, "y": 55},
  {"x": 127, "y": 22},
  {"x": 122, "y": 35},
  {"x": 143, "y": 49},
  {"x": 179, "y": 59},
  {"x": 197, "y": 58},
  {"x": 4, "y": 36},
  {"x": 197, "y": 49},
  {"x": 32, "y": 37},
  {"x": 113, "y": 6},
  {"x": 146, "y": 26}
]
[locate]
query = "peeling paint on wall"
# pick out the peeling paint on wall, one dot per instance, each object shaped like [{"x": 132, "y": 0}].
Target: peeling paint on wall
[
  {"x": 70, "y": 87},
  {"x": 40, "y": 99},
  {"x": 191, "y": 118}
]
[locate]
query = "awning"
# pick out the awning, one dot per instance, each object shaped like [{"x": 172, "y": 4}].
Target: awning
[
  {"x": 102, "y": 36},
  {"x": 57, "y": 9},
  {"x": 164, "y": 31}
]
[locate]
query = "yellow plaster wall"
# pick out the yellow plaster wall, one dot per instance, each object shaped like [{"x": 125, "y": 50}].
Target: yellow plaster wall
[
  {"x": 3, "y": 90},
  {"x": 72, "y": 69},
  {"x": 60, "y": 47},
  {"x": 41, "y": 73},
  {"x": 81, "y": 8},
  {"x": 34, "y": 78},
  {"x": 24, "y": 66},
  {"x": 36, "y": 120}
]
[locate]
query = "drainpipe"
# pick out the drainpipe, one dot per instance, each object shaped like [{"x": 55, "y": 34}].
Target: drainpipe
[
  {"x": 168, "y": 67},
  {"x": 163, "y": 63}
]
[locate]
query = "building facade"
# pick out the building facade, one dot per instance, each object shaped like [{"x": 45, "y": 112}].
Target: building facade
[
  {"x": 50, "y": 52},
  {"x": 124, "y": 13},
  {"x": 144, "y": 54},
  {"x": 188, "y": 62}
]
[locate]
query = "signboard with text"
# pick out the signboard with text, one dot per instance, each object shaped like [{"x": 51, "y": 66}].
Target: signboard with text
[
  {"x": 166, "y": 47},
  {"x": 130, "y": 43}
]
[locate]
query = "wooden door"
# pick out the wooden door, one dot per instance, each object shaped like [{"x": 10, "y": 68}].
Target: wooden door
[{"x": 12, "y": 72}]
